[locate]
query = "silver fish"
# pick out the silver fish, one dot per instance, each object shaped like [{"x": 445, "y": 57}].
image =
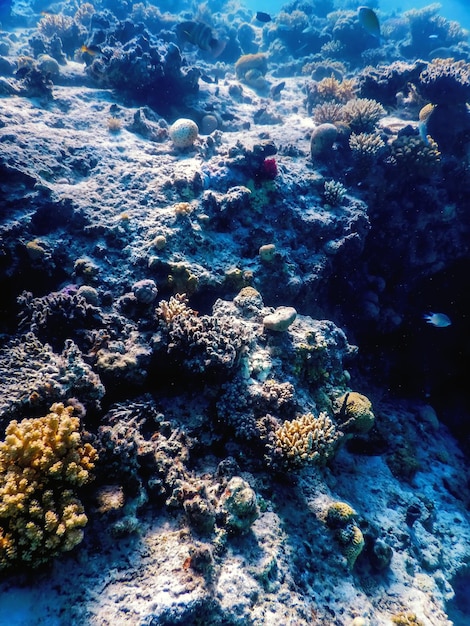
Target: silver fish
[{"x": 439, "y": 320}]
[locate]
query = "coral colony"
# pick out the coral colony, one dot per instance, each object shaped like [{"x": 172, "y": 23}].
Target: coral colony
[{"x": 233, "y": 258}]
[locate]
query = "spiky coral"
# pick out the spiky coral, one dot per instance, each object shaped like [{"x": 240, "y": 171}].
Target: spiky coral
[
  {"x": 362, "y": 114},
  {"x": 42, "y": 462}
]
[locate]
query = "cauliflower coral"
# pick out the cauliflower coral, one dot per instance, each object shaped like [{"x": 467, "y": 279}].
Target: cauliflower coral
[{"x": 42, "y": 462}]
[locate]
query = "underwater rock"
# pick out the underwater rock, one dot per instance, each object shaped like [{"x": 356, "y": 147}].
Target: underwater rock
[
  {"x": 281, "y": 319},
  {"x": 322, "y": 140}
]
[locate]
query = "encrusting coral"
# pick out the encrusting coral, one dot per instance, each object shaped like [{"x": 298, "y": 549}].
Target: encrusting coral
[{"x": 42, "y": 463}]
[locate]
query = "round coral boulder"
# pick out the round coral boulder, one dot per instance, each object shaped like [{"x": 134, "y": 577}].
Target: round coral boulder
[{"x": 184, "y": 132}]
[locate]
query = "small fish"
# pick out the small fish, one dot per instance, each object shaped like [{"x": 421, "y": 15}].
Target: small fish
[
  {"x": 91, "y": 50},
  {"x": 275, "y": 90},
  {"x": 369, "y": 21},
  {"x": 433, "y": 37},
  {"x": 439, "y": 320},
  {"x": 200, "y": 35},
  {"x": 261, "y": 16},
  {"x": 208, "y": 79}
]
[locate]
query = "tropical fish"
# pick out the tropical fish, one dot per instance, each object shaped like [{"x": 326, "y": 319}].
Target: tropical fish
[
  {"x": 261, "y": 16},
  {"x": 91, "y": 50},
  {"x": 200, "y": 35},
  {"x": 439, "y": 320},
  {"x": 369, "y": 21}
]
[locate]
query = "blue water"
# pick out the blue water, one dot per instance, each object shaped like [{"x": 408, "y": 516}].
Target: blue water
[{"x": 458, "y": 10}]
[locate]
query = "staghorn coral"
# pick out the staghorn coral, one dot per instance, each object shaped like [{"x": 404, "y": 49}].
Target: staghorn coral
[
  {"x": 327, "y": 113},
  {"x": 366, "y": 146},
  {"x": 306, "y": 439},
  {"x": 333, "y": 192},
  {"x": 362, "y": 114},
  {"x": 175, "y": 306},
  {"x": 42, "y": 463}
]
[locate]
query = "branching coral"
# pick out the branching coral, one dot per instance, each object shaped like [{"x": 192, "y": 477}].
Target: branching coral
[
  {"x": 362, "y": 114},
  {"x": 334, "y": 192},
  {"x": 365, "y": 146},
  {"x": 330, "y": 89},
  {"x": 445, "y": 82},
  {"x": 58, "y": 315},
  {"x": 327, "y": 113},
  {"x": 413, "y": 158},
  {"x": 306, "y": 439},
  {"x": 42, "y": 463}
]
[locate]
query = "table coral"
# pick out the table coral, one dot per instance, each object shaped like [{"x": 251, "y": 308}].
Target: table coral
[{"x": 42, "y": 463}]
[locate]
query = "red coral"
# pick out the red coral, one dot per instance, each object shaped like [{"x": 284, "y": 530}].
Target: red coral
[{"x": 269, "y": 169}]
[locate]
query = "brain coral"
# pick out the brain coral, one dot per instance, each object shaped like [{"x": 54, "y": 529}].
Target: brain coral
[
  {"x": 42, "y": 462},
  {"x": 355, "y": 413}
]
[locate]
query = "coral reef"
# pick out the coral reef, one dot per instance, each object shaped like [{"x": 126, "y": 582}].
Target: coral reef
[{"x": 43, "y": 462}]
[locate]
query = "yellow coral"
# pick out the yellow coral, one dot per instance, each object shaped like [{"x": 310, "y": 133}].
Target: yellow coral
[
  {"x": 307, "y": 439},
  {"x": 177, "y": 305},
  {"x": 355, "y": 413},
  {"x": 352, "y": 540},
  {"x": 339, "y": 514},
  {"x": 406, "y": 619},
  {"x": 42, "y": 460},
  {"x": 249, "y": 62}
]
